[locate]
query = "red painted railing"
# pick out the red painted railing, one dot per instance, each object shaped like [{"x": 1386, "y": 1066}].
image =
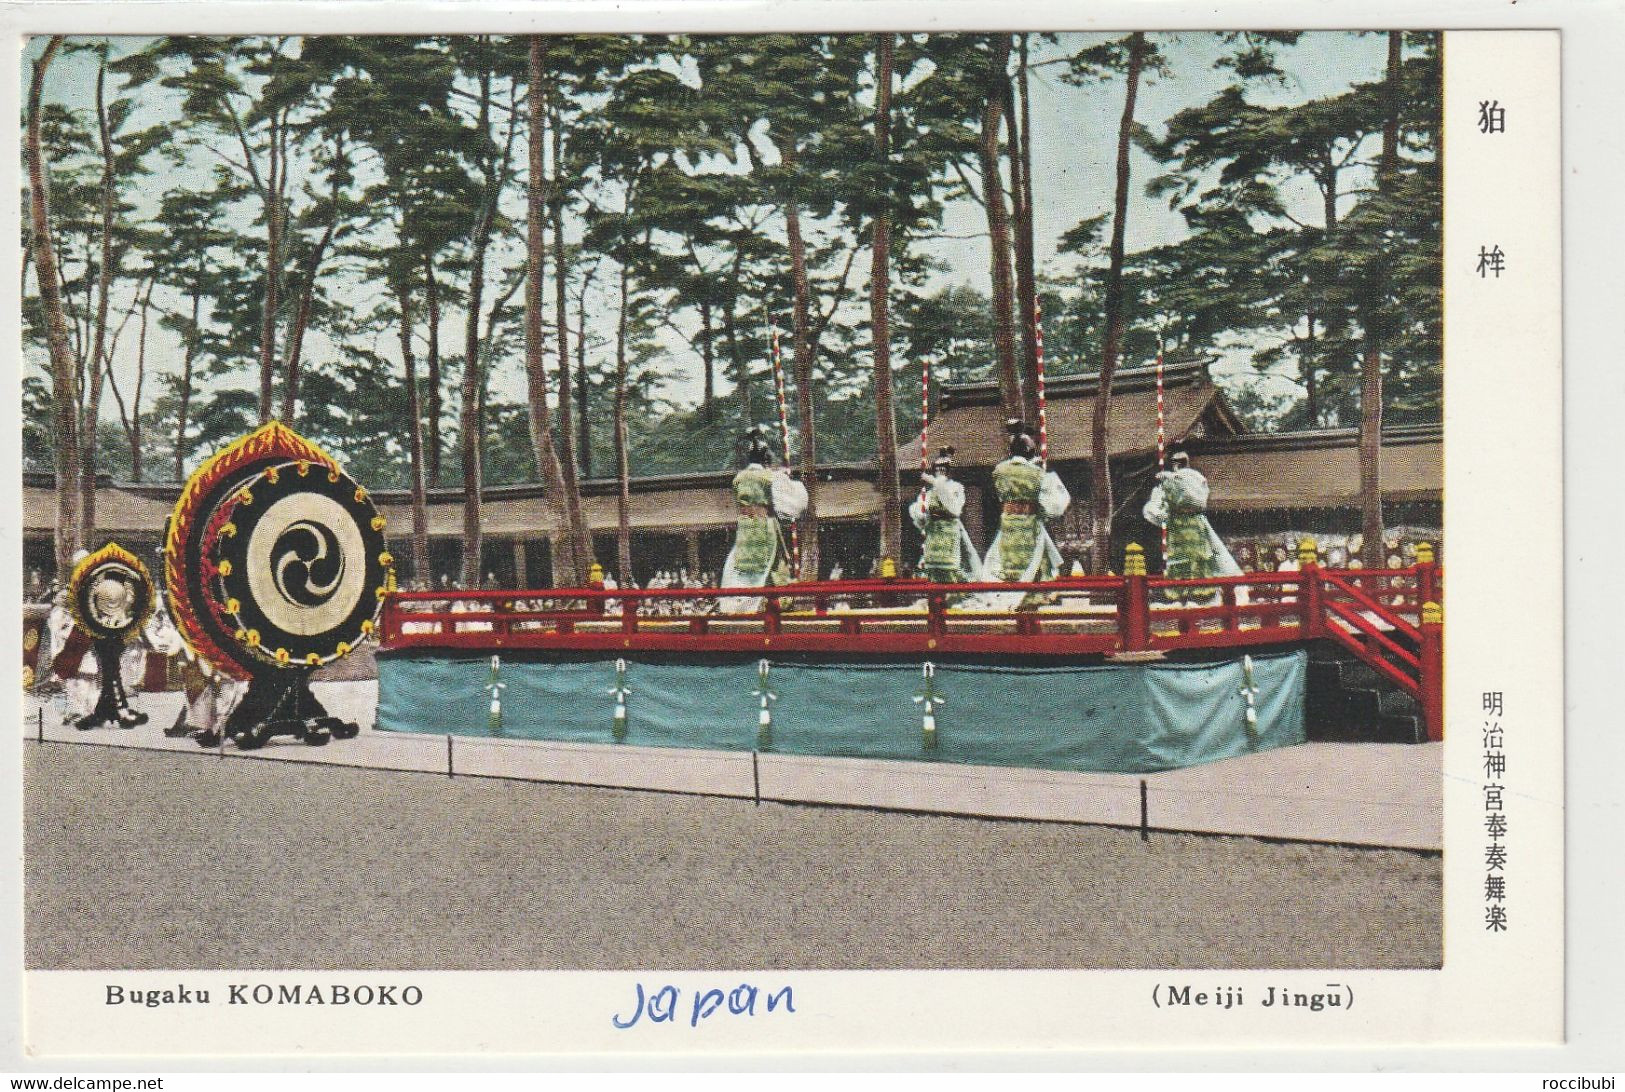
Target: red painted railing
[{"x": 1375, "y": 614}]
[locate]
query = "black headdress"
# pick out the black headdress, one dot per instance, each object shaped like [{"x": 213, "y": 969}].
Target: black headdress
[
  {"x": 1021, "y": 438},
  {"x": 944, "y": 459},
  {"x": 755, "y": 447}
]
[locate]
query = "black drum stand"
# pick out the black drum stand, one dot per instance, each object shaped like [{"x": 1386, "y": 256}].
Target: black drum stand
[{"x": 280, "y": 703}]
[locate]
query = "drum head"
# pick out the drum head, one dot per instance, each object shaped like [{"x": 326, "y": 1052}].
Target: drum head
[
  {"x": 110, "y": 593},
  {"x": 302, "y": 565},
  {"x": 274, "y": 558}
]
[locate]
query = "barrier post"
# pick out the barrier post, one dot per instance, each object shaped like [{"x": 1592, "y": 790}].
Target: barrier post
[
  {"x": 1432, "y": 664},
  {"x": 1310, "y": 591},
  {"x": 1134, "y": 611}
]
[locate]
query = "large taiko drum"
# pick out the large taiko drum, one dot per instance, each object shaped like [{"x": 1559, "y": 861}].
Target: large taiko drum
[
  {"x": 110, "y": 595},
  {"x": 276, "y": 564}
]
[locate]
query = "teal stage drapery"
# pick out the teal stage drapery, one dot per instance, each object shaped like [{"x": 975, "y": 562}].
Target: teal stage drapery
[{"x": 1125, "y": 718}]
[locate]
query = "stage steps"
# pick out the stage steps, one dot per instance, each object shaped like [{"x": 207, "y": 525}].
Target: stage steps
[{"x": 1348, "y": 702}]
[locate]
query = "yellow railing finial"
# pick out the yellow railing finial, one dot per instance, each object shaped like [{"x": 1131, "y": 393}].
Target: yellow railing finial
[
  {"x": 1134, "y": 559},
  {"x": 1308, "y": 552}
]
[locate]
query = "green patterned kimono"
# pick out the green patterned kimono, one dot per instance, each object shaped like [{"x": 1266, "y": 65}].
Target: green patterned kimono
[
  {"x": 759, "y": 556},
  {"x": 1194, "y": 552},
  {"x": 1020, "y": 535},
  {"x": 947, "y": 556},
  {"x": 940, "y": 561},
  {"x": 1190, "y": 555}
]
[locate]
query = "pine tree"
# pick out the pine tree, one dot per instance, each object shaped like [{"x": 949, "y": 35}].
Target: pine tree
[{"x": 63, "y": 386}]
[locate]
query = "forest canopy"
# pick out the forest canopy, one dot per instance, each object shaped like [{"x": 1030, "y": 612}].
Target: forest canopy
[{"x": 567, "y": 257}]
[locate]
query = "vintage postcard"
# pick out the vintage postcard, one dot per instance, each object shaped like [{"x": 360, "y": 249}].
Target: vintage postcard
[{"x": 788, "y": 536}]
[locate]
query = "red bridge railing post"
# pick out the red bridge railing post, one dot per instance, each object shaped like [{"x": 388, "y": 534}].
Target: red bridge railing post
[
  {"x": 1310, "y": 590},
  {"x": 771, "y": 608},
  {"x": 937, "y": 618},
  {"x": 388, "y": 623},
  {"x": 595, "y": 579},
  {"x": 1432, "y": 664},
  {"x": 1427, "y": 574},
  {"x": 1134, "y": 612}
]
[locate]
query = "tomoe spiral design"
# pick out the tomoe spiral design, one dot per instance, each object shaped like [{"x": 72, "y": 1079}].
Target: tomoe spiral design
[{"x": 307, "y": 563}]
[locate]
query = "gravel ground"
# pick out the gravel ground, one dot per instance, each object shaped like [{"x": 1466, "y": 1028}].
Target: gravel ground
[{"x": 143, "y": 860}]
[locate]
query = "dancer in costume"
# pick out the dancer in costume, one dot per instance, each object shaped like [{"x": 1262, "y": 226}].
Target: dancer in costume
[
  {"x": 1178, "y": 502},
  {"x": 1029, "y": 495},
  {"x": 765, "y": 495},
  {"x": 208, "y": 695},
  {"x": 73, "y": 662},
  {"x": 949, "y": 556}
]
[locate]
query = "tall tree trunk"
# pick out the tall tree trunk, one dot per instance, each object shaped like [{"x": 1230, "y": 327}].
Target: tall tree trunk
[
  {"x": 891, "y": 505},
  {"x": 471, "y": 422},
  {"x": 301, "y": 323},
  {"x": 470, "y": 425},
  {"x": 804, "y": 375},
  {"x": 140, "y": 381},
  {"x": 273, "y": 271},
  {"x": 1021, "y": 185},
  {"x": 580, "y": 538},
  {"x": 583, "y": 395},
  {"x": 1328, "y": 191},
  {"x": 998, "y": 226},
  {"x": 730, "y": 323},
  {"x": 623, "y": 470},
  {"x": 708, "y": 359},
  {"x": 187, "y": 358},
  {"x": 307, "y": 299},
  {"x": 1311, "y": 388},
  {"x": 1100, "y": 474},
  {"x": 1373, "y": 552},
  {"x": 566, "y": 562},
  {"x": 414, "y": 416},
  {"x": 432, "y": 363},
  {"x": 64, "y": 369},
  {"x": 89, "y": 426}
]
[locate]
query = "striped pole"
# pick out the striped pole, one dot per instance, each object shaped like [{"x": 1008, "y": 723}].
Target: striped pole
[
  {"x": 1162, "y": 451},
  {"x": 1043, "y": 402},
  {"x": 925, "y": 422},
  {"x": 784, "y": 437}
]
